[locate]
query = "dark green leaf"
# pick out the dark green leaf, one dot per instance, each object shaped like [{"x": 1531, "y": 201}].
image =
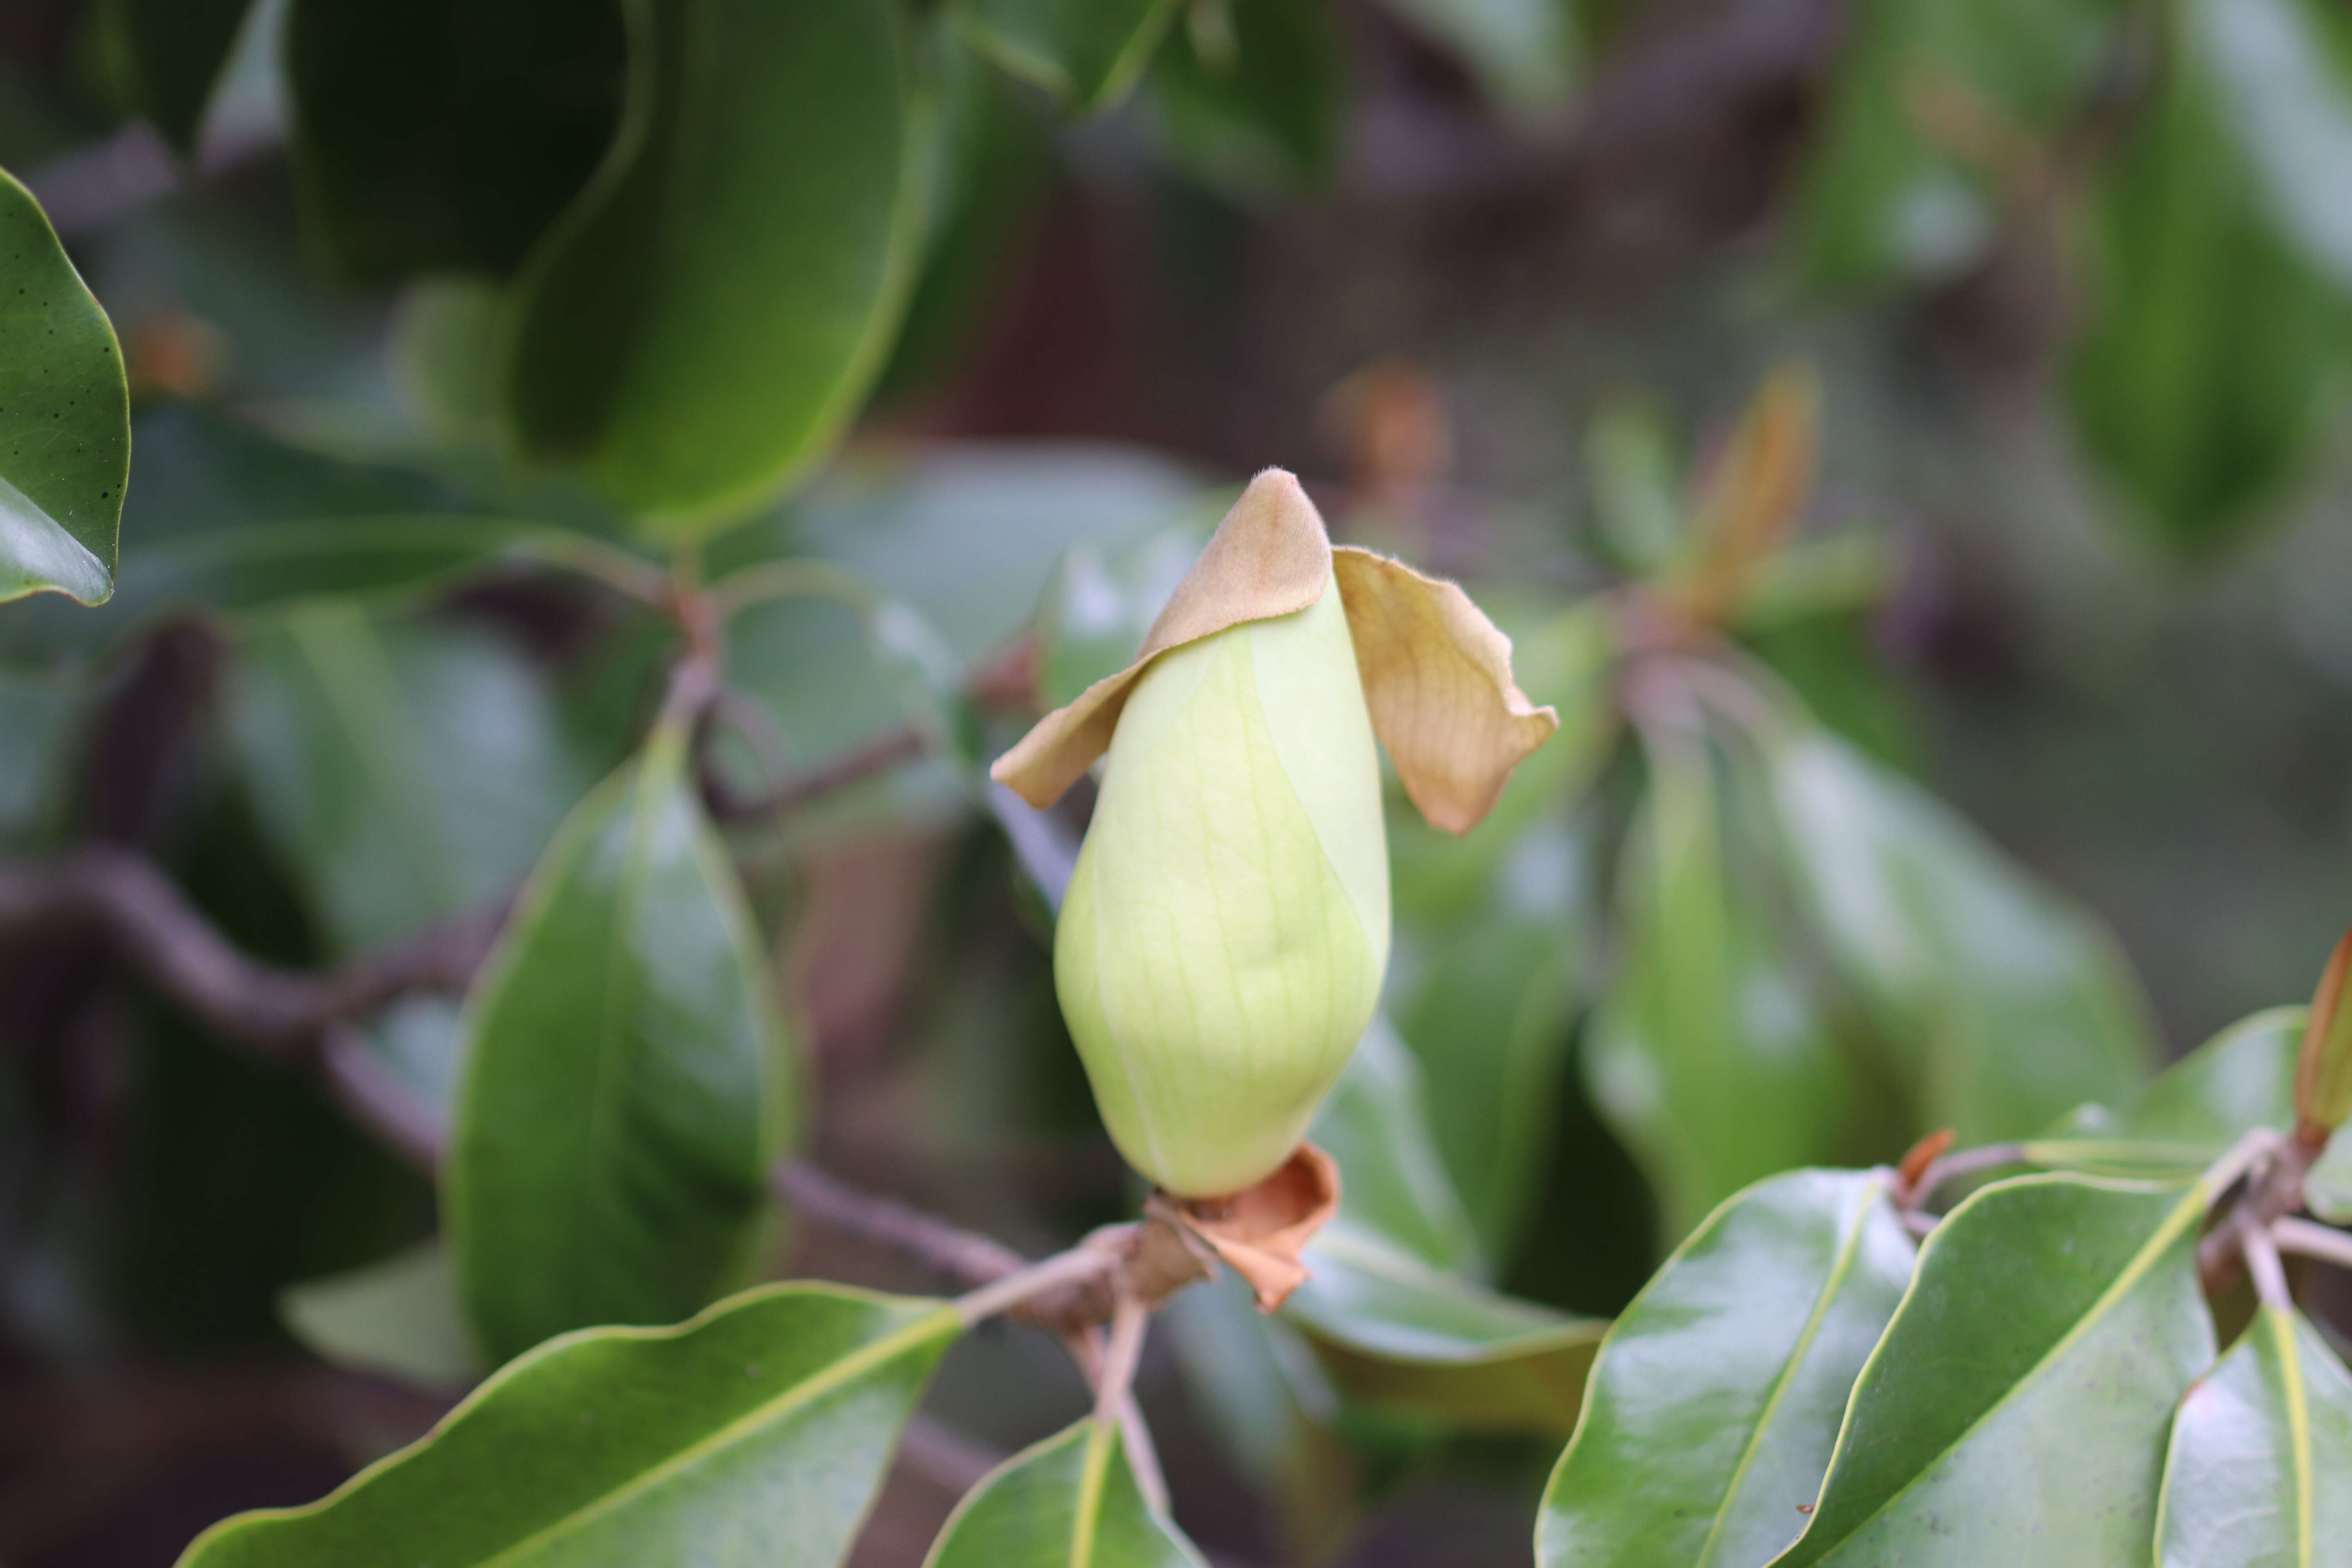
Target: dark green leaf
[
  {"x": 1898, "y": 189},
  {"x": 1086, "y": 53},
  {"x": 2259, "y": 1470},
  {"x": 2213, "y": 340},
  {"x": 168, "y": 56},
  {"x": 447, "y": 135},
  {"x": 64, "y": 416},
  {"x": 2004, "y": 1006},
  {"x": 2015, "y": 1409},
  {"x": 1716, "y": 1396},
  {"x": 2188, "y": 1115},
  {"x": 397, "y": 1318},
  {"x": 1259, "y": 112},
  {"x": 1070, "y": 1502},
  {"x": 407, "y": 773},
  {"x": 1525, "y": 53},
  {"x": 754, "y": 1436},
  {"x": 707, "y": 316},
  {"x": 36, "y": 714},
  {"x": 1708, "y": 1056},
  {"x": 1391, "y": 1298},
  {"x": 626, "y": 1082}
]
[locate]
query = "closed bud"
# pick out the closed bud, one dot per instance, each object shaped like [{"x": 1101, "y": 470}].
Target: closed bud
[{"x": 1223, "y": 940}]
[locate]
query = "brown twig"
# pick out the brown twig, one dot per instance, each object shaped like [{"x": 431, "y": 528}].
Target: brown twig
[
  {"x": 279, "y": 1013},
  {"x": 2274, "y": 1190},
  {"x": 880, "y": 756}
]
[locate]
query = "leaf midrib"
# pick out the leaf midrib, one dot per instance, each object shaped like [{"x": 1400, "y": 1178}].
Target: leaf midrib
[
  {"x": 2190, "y": 1207},
  {"x": 806, "y": 1392},
  {"x": 1849, "y": 1248}
]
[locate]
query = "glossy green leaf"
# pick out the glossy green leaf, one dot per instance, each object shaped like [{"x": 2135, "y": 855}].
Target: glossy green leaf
[
  {"x": 2260, "y": 1471},
  {"x": 1070, "y": 1502},
  {"x": 2015, "y": 1410},
  {"x": 1718, "y": 1394},
  {"x": 2190, "y": 1114},
  {"x": 409, "y": 772},
  {"x": 395, "y": 1318},
  {"x": 64, "y": 416},
  {"x": 2004, "y": 1005},
  {"x": 2283, "y": 74},
  {"x": 754, "y": 1436},
  {"x": 1708, "y": 1057},
  {"x": 2213, "y": 341},
  {"x": 1257, "y": 110},
  {"x": 1525, "y": 53},
  {"x": 627, "y": 1079},
  {"x": 168, "y": 56},
  {"x": 447, "y": 135},
  {"x": 1086, "y": 53},
  {"x": 703, "y": 321},
  {"x": 1392, "y": 1299},
  {"x": 1896, "y": 189}
]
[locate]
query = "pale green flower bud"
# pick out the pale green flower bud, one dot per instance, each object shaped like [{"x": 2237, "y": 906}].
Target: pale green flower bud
[{"x": 1221, "y": 947}]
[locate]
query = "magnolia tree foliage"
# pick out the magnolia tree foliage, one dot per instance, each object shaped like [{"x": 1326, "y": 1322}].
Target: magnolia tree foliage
[{"x": 1951, "y": 1275}]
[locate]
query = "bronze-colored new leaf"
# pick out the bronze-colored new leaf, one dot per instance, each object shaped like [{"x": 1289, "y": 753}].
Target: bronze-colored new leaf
[{"x": 2323, "y": 1074}]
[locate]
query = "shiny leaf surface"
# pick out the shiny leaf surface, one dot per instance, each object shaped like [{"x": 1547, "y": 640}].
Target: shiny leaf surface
[
  {"x": 64, "y": 416},
  {"x": 627, "y": 1077},
  {"x": 2260, "y": 1471},
  {"x": 754, "y": 1436},
  {"x": 2015, "y": 1411},
  {"x": 703, "y": 321},
  {"x": 1070, "y": 1502},
  {"x": 1718, "y": 1394},
  {"x": 2283, "y": 74}
]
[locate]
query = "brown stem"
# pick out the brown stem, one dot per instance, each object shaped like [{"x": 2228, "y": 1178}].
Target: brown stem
[
  {"x": 880, "y": 756},
  {"x": 2274, "y": 1190}
]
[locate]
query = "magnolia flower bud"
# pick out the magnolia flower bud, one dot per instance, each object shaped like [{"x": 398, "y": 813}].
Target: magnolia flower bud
[
  {"x": 1222, "y": 943},
  {"x": 1221, "y": 947}
]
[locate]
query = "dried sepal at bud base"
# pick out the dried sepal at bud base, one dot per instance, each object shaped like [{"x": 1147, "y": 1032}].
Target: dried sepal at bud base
[
  {"x": 2323, "y": 1073},
  {"x": 1261, "y": 1234},
  {"x": 1222, "y": 944}
]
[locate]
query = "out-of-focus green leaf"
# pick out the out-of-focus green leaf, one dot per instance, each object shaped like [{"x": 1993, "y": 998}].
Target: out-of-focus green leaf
[
  {"x": 397, "y": 1318},
  {"x": 1716, "y": 1396},
  {"x": 1903, "y": 181},
  {"x": 1486, "y": 1004},
  {"x": 2282, "y": 73},
  {"x": 409, "y": 772},
  {"x": 36, "y": 714},
  {"x": 707, "y": 316},
  {"x": 2052, "y": 1327},
  {"x": 1257, "y": 112},
  {"x": 167, "y": 57},
  {"x": 1708, "y": 1057},
  {"x": 2004, "y": 1006},
  {"x": 991, "y": 168},
  {"x": 1636, "y": 479},
  {"x": 447, "y": 135},
  {"x": 1271, "y": 1407},
  {"x": 1527, "y": 54},
  {"x": 64, "y": 416},
  {"x": 627, "y": 1080},
  {"x": 1086, "y": 53},
  {"x": 1392, "y": 1300},
  {"x": 1100, "y": 604},
  {"x": 2259, "y": 1470},
  {"x": 1070, "y": 1502},
  {"x": 756, "y": 1433},
  {"x": 2213, "y": 340},
  {"x": 2188, "y": 1115}
]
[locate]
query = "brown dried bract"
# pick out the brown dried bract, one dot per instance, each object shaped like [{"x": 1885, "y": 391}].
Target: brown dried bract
[
  {"x": 1261, "y": 1231},
  {"x": 1436, "y": 671}
]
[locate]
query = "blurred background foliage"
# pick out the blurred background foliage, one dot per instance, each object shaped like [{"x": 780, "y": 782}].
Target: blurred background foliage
[{"x": 1907, "y": 441}]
